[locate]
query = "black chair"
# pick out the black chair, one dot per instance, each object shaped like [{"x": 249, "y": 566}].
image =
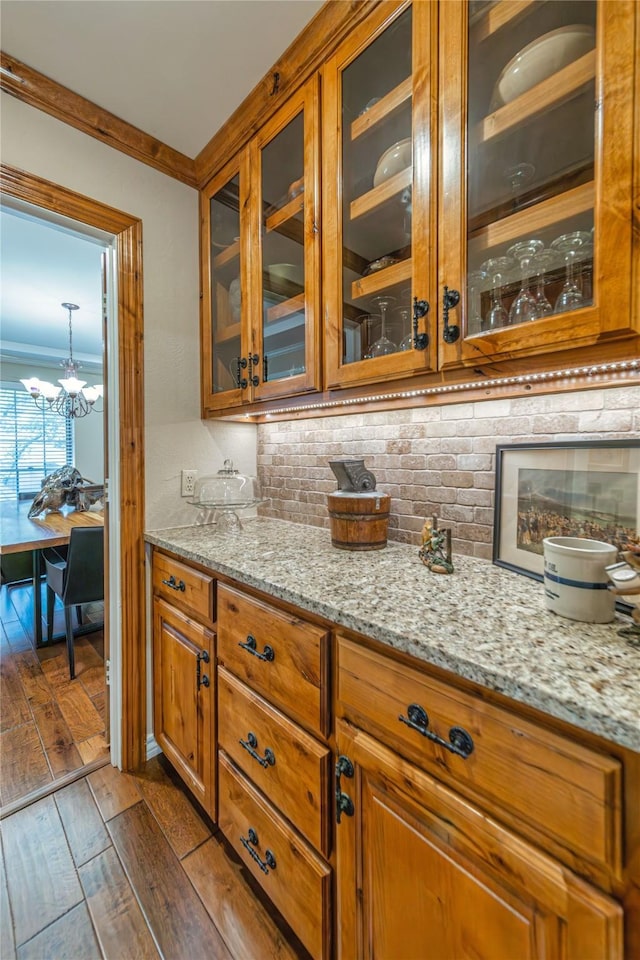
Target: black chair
[{"x": 76, "y": 579}]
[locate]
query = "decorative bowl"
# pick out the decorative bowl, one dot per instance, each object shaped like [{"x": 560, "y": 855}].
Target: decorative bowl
[
  {"x": 540, "y": 59},
  {"x": 295, "y": 188},
  {"x": 380, "y": 264},
  {"x": 286, "y": 271},
  {"x": 393, "y": 160}
]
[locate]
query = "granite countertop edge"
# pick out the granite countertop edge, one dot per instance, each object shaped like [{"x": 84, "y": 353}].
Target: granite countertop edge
[{"x": 580, "y": 673}]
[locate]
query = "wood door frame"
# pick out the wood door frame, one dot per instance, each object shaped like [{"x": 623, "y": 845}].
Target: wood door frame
[{"x": 127, "y": 233}]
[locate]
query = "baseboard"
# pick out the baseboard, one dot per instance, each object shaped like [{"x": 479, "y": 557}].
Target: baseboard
[{"x": 152, "y": 747}]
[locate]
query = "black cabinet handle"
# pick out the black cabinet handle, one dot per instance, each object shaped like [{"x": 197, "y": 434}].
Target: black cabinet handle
[
  {"x": 450, "y": 299},
  {"x": 344, "y": 803},
  {"x": 202, "y": 680},
  {"x": 251, "y": 841},
  {"x": 420, "y": 309},
  {"x": 460, "y": 742},
  {"x": 250, "y": 745},
  {"x": 250, "y": 646},
  {"x": 175, "y": 584}
]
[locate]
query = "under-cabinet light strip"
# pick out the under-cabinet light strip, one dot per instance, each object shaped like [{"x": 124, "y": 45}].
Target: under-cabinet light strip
[{"x": 621, "y": 366}]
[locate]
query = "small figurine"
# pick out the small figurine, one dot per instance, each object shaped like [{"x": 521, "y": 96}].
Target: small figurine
[{"x": 435, "y": 551}]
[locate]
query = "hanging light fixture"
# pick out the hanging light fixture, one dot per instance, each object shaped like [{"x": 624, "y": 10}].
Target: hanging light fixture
[{"x": 72, "y": 399}]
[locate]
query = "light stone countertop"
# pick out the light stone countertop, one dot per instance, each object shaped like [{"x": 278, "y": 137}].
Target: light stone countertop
[{"x": 483, "y": 622}]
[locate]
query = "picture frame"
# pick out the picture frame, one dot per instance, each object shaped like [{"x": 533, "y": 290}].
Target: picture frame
[{"x": 584, "y": 488}]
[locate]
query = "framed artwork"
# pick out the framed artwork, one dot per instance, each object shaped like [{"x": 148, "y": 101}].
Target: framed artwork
[{"x": 582, "y": 488}]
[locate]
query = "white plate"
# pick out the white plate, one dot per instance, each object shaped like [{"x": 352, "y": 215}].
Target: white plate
[
  {"x": 540, "y": 59},
  {"x": 392, "y": 161}
]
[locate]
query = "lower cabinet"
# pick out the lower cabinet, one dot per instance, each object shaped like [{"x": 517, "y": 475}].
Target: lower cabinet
[
  {"x": 184, "y": 676},
  {"x": 421, "y": 872}
]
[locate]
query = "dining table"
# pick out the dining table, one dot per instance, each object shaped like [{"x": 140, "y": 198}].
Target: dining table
[{"x": 20, "y": 533}]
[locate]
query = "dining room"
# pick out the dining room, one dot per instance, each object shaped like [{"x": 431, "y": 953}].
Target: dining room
[{"x": 54, "y": 718}]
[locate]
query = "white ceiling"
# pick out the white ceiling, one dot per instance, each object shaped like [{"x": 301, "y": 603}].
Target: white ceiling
[
  {"x": 177, "y": 69},
  {"x": 174, "y": 68}
]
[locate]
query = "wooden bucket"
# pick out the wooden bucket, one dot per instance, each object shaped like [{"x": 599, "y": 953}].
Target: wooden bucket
[{"x": 359, "y": 521}]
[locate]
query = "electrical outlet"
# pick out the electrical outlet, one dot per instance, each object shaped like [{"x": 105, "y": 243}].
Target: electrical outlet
[{"x": 188, "y": 483}]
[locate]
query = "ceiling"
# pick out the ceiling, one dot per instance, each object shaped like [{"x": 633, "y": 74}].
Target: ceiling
[{"x": 176, "y": 69}]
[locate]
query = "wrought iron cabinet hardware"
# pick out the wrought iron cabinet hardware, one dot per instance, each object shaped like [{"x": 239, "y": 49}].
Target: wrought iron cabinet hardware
[{"x": 183, "y": 672}]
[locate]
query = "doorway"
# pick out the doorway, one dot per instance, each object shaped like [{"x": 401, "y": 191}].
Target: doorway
[{"x": 125, "y": 613}]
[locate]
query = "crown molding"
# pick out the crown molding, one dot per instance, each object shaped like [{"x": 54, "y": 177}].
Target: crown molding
[{"x": 34, "y": 88}]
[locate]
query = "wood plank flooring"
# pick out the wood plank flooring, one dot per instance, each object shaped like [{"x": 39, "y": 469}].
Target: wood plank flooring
[
  {"x": 102, "y": 869},
  {"x": 50, "y": 726}
]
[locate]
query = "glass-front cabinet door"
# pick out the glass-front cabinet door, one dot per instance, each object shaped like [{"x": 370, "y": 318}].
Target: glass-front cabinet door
[
  {"x": 285, "y": 249},
  {"x": 379, "y": 234},
  {"x": 224, "y": 278},
  {"x": 261, "y": 263},
  {"x": 536, "y": 166}
]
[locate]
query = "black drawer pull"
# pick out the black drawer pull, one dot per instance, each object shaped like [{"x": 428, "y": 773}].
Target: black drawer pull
[
  {"x": 460, "y": 742},
  {"x": 250, "y": 745},
  {"x": 252, "y": 841},
  {"x": 250, "y": 646},
  {"x": 174, "y": 584}
]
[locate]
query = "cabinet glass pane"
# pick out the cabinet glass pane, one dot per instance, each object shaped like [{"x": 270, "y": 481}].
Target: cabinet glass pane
[
  {"x": 225, "y": 285},
  {"x": 283, "y": 277},
  {"x": 377, "y": 178},
  {"x": 530, "y": 161}
]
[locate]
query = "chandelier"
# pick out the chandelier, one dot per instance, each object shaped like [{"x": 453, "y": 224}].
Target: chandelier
[{"x": 72, "y": 399}]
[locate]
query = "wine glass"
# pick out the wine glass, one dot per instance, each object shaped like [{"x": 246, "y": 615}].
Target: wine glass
[
  {"x": 518, "y": 175},
  {"x": 496, "y": 268},
  {"x": 368, "y": 323},
  {"x": 542, "y": 263},
  {"x": 404, "y": 318},
  {"x": 585, "y": 277},
  {"x": 383, "y": 345},
  {"x": 569, "y": 244},
  {"x": 474, "y": 282},
  {"x": 524, "y": 306}
]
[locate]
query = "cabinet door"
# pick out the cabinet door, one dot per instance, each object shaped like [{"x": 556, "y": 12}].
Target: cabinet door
[
  {"x": 285, "y": 237},
  {"x": 422, "y": 873},
  {"x": 183, "y": 692},
  {"x": 225, "y": 250},
  {"x": 535, "y": 227},
  {"x": 378, "y": 220}
]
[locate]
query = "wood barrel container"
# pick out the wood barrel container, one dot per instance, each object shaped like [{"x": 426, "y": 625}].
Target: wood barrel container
[{"x": 359, "y": 521}]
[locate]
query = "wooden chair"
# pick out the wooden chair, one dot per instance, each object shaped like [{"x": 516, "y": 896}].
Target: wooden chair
[{"x": 77, "y": 578}]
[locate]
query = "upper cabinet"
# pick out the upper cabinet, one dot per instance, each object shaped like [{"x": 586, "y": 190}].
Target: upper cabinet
[
  {"x": 535, "y": 230},
  {"x": 261, "y": 263},
  {"x": 477, "y": 207},
  {"x": 378, "y": 192}
]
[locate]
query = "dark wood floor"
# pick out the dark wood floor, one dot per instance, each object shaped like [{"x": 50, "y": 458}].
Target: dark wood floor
[
  {"x": 125, "y": 866},
  {"x": 50, "y": 726}
]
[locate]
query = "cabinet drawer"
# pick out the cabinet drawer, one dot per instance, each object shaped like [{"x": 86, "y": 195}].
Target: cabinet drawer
[
  {"x": 567, "y": 794},
  {"x": 296, "y": 879},
  {"x": 288, "y": 764},
  {"x": 276, "y": 653},
  {"x": 182, "y": 585}
]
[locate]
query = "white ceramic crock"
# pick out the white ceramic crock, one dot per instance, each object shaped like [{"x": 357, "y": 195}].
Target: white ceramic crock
[{"x": 575, "y": 582}]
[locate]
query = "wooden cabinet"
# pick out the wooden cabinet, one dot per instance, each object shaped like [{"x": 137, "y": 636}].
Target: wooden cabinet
[
  {"x": 379, "y": 198},
  {"x": 535, "y": 206},
  {"x": 274, "y": 760},
  {"x": 422, "y": 872},
  {"x": 260, "y": 263},
  {"x": 477, "y": 207},
  {"x": 490, "y": 832},
  {"x": 184, "y": 674}
]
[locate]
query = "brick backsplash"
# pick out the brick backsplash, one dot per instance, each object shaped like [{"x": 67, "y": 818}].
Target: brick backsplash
[{"x": 430, "y": 460}]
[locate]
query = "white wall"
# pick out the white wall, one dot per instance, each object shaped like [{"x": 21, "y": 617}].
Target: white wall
[{"x": 175, "y": 437}]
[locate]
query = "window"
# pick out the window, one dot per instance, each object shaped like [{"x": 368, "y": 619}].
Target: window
[{"x": 33, "y": 443}]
